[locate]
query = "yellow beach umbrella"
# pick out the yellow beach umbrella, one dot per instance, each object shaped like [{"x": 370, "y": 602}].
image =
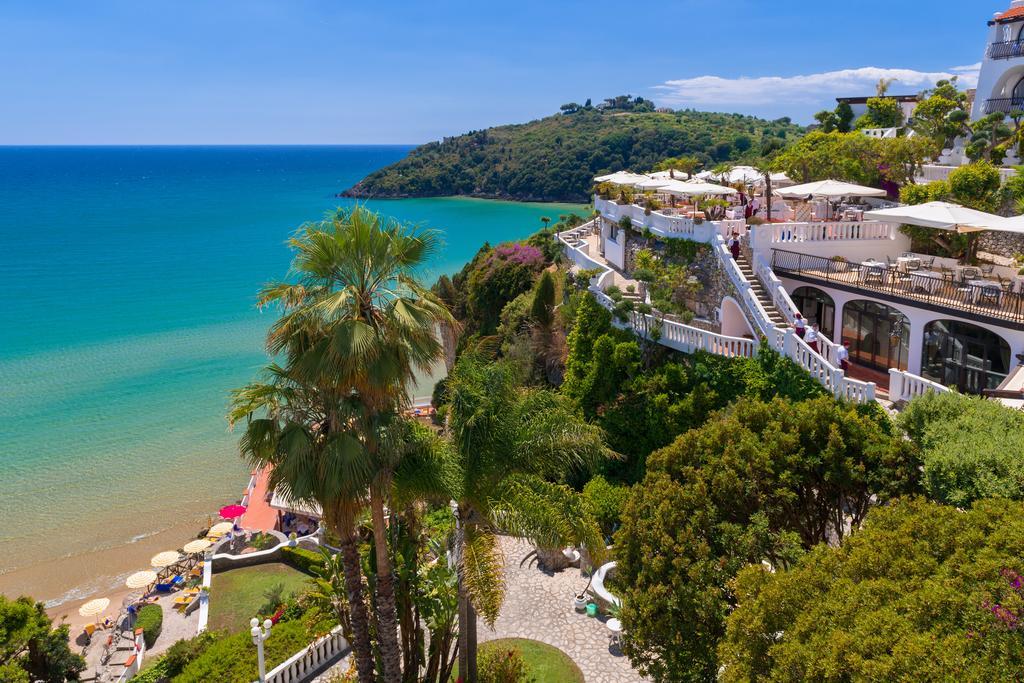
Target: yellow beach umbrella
[
  {"x": 94, "y": 607},
  {"x": 141, "y": 579},
  {"x": 164, "y": 559},
  {"x": 197, "y": 546},
  {"x": 221, "y": 528}
]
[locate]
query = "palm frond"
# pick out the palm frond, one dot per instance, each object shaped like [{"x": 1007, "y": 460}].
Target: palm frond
[{"x": 482, "y": 565}]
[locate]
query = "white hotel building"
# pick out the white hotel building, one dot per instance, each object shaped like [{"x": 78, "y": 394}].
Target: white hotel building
[{"x": 907, "y": 334}]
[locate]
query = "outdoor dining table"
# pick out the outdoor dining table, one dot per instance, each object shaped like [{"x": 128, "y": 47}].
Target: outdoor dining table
[
  {"x": 979, "y": 287},
  {"x": 903, "y": 262},
  {"x": 927, "y": 280}
]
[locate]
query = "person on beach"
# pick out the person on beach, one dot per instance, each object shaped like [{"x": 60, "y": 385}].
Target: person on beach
[
  {"x": 734, "y": 246},
  {"x": 843, "y": 356},
  {"x": 812, "y": 338},
  {"x": 800, "y": 325}
]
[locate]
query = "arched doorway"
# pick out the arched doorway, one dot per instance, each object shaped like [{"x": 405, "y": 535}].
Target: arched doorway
[
  {"x": 816, "y": 307},
  {"x": 964, "y": 356},
  {"x": 879, "y": 335}
]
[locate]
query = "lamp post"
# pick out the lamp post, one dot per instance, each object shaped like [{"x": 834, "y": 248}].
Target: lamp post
[{"x": 258, "y": 636}]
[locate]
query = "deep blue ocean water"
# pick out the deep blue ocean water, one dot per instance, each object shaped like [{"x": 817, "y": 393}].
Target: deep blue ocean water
[{"x": 127, "y": 285}]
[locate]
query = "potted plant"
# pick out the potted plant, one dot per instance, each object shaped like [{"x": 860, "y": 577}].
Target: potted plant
[{"x": 579, "y": 601}]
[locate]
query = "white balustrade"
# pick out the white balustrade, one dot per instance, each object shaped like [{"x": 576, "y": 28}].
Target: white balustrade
[
  {"x": 301, "y": 665},
  {"x": 768, "y": 234},
  {"x": 904, "y": 386}
]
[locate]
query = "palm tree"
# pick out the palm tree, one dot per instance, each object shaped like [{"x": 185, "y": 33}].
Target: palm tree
[
  {"x": 293, "y": 428},
  {"x": 507, "y": 442},
  {"x": 356, "y": 324}
]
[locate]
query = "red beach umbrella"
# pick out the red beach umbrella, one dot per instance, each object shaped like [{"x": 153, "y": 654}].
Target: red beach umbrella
[{"x": 232, "y": 511}]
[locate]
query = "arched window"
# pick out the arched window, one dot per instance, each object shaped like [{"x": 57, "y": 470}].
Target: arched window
[
  {"x": 879, "y": 335},
  {"x": 816, "y": 307},
  {"x": 964, "y": 356},
  {"x": 1018, "y": 91}
]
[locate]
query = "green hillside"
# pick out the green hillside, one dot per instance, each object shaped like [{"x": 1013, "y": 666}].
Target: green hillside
[{"x": 555, "y": 158}]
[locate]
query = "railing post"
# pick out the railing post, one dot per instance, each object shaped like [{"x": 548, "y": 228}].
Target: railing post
[{"x": 896, "y": 384}]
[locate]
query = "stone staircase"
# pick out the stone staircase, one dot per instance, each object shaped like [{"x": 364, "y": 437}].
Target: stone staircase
[{"x": 774, "y": 315}]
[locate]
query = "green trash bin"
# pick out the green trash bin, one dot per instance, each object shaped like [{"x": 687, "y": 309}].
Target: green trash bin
[{"x": 591, "y": 609}]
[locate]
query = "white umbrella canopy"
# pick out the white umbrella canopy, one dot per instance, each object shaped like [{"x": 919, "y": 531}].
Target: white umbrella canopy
[
  {"x": 692, "y": 188},
  {"x": 941, "y": 216},
  {"x": 1011, "y": 224},
  {"x": 164, "y": 559},
  {"x": 830, "y": 189},
  {"x": 621, "y": 178},
  {"x": 141, "y": 579},
  {"x": 197, "y": 546},
  {"x": 747, "y": 175},
  {"x": 94, "y": 607},
  {"x": 651, "y": 183},
  {"x": 220, "y": 528}
]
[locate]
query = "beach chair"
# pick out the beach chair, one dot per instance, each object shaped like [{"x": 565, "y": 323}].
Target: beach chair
[{"x": 169, "y": 585}]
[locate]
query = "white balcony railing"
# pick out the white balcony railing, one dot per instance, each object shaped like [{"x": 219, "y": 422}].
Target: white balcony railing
[
  {"x": 770, "y": 235},
  {"x": 904, "y": 386}
]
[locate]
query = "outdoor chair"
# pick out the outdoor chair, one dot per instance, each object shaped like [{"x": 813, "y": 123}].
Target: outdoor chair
[
  {"x": 990, "y": 294},
  {"x": 987, "y": 270},
  {"x": 928, "y": 263},
  {"x": 947, "y": 274},
  {"x": 169, "y": 585},
  {"x": 969, "y": 274},
  {"x": 1004, "y": 284},
  {"x": 914, "y": 265},
  {"x": 874, "y": 275},
  {"x": 907, "y": 254}
]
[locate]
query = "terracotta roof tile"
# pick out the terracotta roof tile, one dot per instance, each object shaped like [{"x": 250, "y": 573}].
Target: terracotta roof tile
[{"x": 1011, "y": 14}]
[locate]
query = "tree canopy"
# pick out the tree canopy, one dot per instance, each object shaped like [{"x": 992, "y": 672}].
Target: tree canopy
[
  {"x": 923, "y": 592},
  {"x": 557, "y": 157},
  {"x": 971, "y": 448},
  {"x": 762, "y": 481},
  {"x": 31, "y": 648}
]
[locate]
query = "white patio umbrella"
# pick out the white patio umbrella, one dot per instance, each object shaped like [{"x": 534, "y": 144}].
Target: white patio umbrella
[
  {"x": 671, "y": 174},
  {"x": 94, "y": 607},
  {"x": 1011, "y": 224},
  {"x": 197, "y": 546},
  {"x": 141, "y": 579},
  {"x": 748, "y": 175},
  {"x": 621, "y": 178},
  {"x": 829, "y": 189},
  {"x": 942, "y": 216},
  {"x": 164, "y": 559},
  {"x": 692, "y": 188},
  {"x": 651, "y": 183},
  {"x": 220, "y": 528}
]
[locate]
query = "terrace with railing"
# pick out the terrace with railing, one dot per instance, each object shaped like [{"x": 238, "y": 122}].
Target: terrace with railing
[
  {"x": 1003, "y": 104},
  {"x": 961, "y": 290}
]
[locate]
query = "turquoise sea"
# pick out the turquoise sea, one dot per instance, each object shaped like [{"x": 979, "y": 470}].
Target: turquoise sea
[{"x": 128, "y": 277}]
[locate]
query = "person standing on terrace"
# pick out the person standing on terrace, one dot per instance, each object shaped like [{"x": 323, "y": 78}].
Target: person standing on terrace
[
  {"x": 800, "y": 325},
  {"x": 734, "y": 246},
  {"x": 812, "y": 338},
  {"x": 843, "y": 356}
]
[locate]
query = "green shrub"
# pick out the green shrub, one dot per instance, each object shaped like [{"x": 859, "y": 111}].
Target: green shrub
[
  {"x": 300, "y": 558},
  {"x": 232, "y": 659},
  {"x": 150, "y": 620},
  {"x": 504, "y": 665},
  {"x": 606, "y": 502}
]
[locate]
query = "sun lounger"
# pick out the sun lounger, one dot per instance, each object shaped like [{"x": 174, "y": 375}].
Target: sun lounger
[{"x": 170, "y": 585}]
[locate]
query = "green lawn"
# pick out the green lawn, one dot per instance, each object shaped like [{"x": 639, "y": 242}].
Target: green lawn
[
  {"x": 546, "y": 663},
  {"x": 237, "y": 595}
]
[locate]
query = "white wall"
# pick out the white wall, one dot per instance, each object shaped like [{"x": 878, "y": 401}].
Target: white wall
[
  {"x": 994, "y": 72},
  {"x": 734, "y": 323}
]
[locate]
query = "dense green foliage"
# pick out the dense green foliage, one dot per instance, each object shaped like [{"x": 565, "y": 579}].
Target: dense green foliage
[
  {"x": 971, "y": 448},
  {"x": 304, "y": 560},
  {"x": 854, "y": 157},
  {"x": 644, "y": 396},
  {"x": 556, "y": 158},
  {"x": 150, "y": 620},
  {"x": 179, "y": 655},
  {"x": 606, "y": 501},
  {"x": 923, "y": 592},
  {"x": 519, "y": 660},
  {"x": 232, "y": 659},
  {"x": 763, "y": 481},
  {"x": 31, "y": 648}
]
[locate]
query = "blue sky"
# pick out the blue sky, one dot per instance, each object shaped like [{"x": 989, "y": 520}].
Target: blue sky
[{"x": 307, "y": 71}]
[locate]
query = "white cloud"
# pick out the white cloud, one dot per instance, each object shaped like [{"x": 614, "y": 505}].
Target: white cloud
[{"x": 773, "y": 91}]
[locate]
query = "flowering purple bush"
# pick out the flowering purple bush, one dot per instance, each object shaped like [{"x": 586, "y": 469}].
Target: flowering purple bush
[
  {"x": 1009, "y": 617},
  {"x": 523, "y": 254}
]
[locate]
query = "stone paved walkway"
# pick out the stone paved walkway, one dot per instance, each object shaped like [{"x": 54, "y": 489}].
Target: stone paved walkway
[{"x": 538, "y": 605}]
